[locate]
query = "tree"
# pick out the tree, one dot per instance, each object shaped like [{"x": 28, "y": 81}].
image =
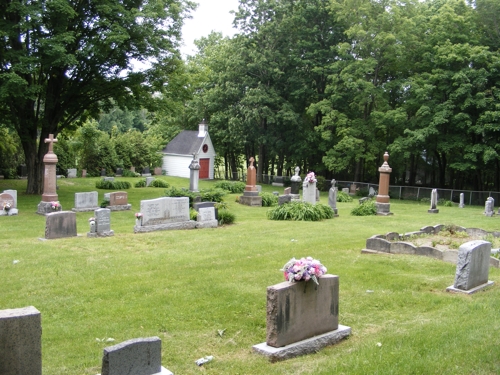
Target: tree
[{"x": 61, "y": 61}]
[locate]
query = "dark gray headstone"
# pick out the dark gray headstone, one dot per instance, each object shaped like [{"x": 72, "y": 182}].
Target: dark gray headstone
[
  {"x": 282, "y": 199},
  {"x": 133, "y": 357},
  {"x": 473, "y": 264},
  {"x": 60, "y": 224},
  {"x": 20, "y": 341},
  {"x": 103, "y": 172}
]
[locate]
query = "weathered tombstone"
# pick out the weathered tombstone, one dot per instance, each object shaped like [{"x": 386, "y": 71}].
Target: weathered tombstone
[
  {"x": 433, "y": 209},
  {"x": 157, "y": 171},
  {"x": 278, "y": 181},
  {"x": 345, "y": 190},
  {"x": 20, "y": 341},
  {"x": 165, "y": 214},
  {"x": 111, "y": 179},
  {"x": 7, "y": 205},
  {"x": 295, "y": 181},
  {"x": 103, "y": 222},
  {"x": 87, "y": 201},
  {"x": 103, "y": 172},
  {"x": 383, "y": 199},
  {"x": 84, "y": 173},
  {"x": 352, "y": 189},
  {"x": 194, "y": 174},
  {"x": 206, "y": 218},
  {"x": 302, "y": 317},
  {"x": 140, "y": 356},
  {"x": 49, "y": 182},
  {"x": 119, "y": 171},
  {"x": 287, "y": 191},
  {"x": 332, "y": 198},
  {"x": 72, "y": 173},
  {"x": 309, "y": 188},
  {"x": 132, "y": 169},
  {"x": 198, "y": 205},
  {"x": 60, "y": 224},
  {"x": 149, "y": 180},
  {"x": 489, "y": 207},
  {"x": 473, "y": 265},
  {"x": 259, "y": 188},
  {"x": 371, "y": 192},
  {"x": 461, "y": 204},
  {"x": 251, "y": 196},
  {"x": 282, "y": 199}
]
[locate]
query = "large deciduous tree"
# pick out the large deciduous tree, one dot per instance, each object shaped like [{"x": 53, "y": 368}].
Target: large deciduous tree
[{"x": 61, "y": 60}]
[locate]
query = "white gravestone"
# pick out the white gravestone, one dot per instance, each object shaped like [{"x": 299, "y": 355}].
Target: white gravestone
[
  {"x": 433, "y": 209},
  {"x": 72, "y": 173},
  {"x": 206, "y": 218},
  {"x": 87, "y": 201},
  {"x": 309, "y": 192},
  {"x": 461, "y": 205},
  {"x": 165, "y": 213}
]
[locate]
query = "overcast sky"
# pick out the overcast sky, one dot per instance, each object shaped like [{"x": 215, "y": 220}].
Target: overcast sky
[{"x": 211, "y": 15}]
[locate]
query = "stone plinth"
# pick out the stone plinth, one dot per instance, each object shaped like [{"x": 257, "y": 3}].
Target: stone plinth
[
  {"x": 383, "y": 209},
  {"x": 20, "y": 341},
  {"x": 251, "y": 200}
]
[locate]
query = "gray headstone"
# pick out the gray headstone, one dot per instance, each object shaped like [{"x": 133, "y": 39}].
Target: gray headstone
[
  {"x": 140, "y": 356},
  {"x": 164, "y": 210},
  {"x": 107, "y": 196},
  {"x": 332, "y": 198},
  {"x": 298, "y": 311},
  {"x": 6, "y": 200},
  {"x": 14, "y": 195},
  {"x": 371, "y": 192},
  {"x": 119, "y": 171},
  {"x": 461, "y": 204},
  {"x": 86, "y": 200},
  {"x": 149, "y": 180},
  {"x": 259, "y": 188},
  {"x": 345, "y": 190},
  {"x": 72, "y": 173},
  {"x": 489, "y": 207},
  {"x": 282, "y": 199},
  {"x": 102, "y": 220},
  {"x": 473, "y": 264},
  {"x": 20, "y": 341},
  {"x": 206, "y": 213},
  {"x": 109, "y": 179},
  {"x": 198, "y": 205},
  {"x": 434, "y": 199},
  {"x": 60, "y": 224}
]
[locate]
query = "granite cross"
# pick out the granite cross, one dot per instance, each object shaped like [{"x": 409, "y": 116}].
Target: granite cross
[{"x": 51, "y": 140}]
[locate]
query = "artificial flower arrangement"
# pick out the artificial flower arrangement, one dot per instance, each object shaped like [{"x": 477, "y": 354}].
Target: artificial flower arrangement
[
  {"x": 6, "y": 206},
  {"x": 303, "y": 269},
  {"x": 92, "y": 219},
  {"x": 138, "y": 215},
  {"x": 311, "y": 178},
  {"x": 55, "y": 205}
]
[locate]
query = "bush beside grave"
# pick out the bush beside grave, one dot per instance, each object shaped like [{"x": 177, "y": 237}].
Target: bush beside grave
[
  {"x": 343, "y": 197},
  {"x": 234, "y": 187},
  {"x": 301, "y": 211},
  {"x": 365, "y": 209},
  {"x": 269, "y": 199},
  {"x": 207, "y": 195},
  {"x": 112, "y": 185},
  {"x": 141, "y": 183},
  {"x": 226, "y": 217},
  {"x": 158, "y": 183}
]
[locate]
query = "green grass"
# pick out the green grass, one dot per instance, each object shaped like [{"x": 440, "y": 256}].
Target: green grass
[{"x": 184, "y": 286}]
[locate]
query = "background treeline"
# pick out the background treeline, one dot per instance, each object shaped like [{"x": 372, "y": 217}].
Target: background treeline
[{"x": 330, "y": 86}]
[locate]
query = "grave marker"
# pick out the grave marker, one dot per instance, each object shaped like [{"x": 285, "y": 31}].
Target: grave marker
[
  {"x": 102, "y": 223},
  {"x": 433, "y": 209},
  {"x": 251, "y": 196},
  {"x": 60, "y": 224},
  {"x": 164, "y": 214},
  {"x": 7, "y": 205},
  {"x": 332, "y": 198},
  {"x": 20, "y": 341},
  {"x": 118, "y": 201},
  {"x": 49, "y": 181},
  {"x": 206, "y": 218},
  {"x": 87, "y": 201},
  {"x": 72, "y": 173}
]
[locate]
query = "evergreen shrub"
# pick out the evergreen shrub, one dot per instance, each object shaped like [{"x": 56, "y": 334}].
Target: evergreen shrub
[
  {"x": 112, "y": 185},
  {"x": 365, "y": 209},
  {"x": 300, "y": 211}
]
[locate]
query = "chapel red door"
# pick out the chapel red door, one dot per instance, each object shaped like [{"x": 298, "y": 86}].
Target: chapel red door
[{"x": 205, "y": 166}]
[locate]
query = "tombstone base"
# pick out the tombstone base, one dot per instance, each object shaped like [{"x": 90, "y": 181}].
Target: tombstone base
[
  {"x": 277, "y": 184},
  {"x": 163, "y": 371},
  {"x": 433, "y": 211},
  {"x": 86, "y": 209},
  {"x": 254, "y": 201},
  {"x": 307, "y": 346},
  {"x": 461, "y": 205},
  {"x": 146, "y": 175},
  {"x": 106, "y": 233},
  {"x": 45, "y": 208},
  {"x": 383, "y": 209},
  {"x": 122, "y": 207},
  {"x": 170, "y": 226},
  {"x": 452, "y": 289},
  {"x": 207, "y": 224},
  {"x": 11, "y": 212}
]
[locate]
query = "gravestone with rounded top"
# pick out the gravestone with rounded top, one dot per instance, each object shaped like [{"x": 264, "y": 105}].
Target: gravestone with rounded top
[{"x": 60, "y": 224}]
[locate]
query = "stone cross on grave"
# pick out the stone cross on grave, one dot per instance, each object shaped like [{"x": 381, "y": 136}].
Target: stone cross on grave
[
  {"x": 51, "y": 140},
  {"x": 251, "y": 160}
]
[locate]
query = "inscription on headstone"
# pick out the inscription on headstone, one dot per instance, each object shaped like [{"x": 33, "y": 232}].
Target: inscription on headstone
[
  {"x": 103, "y": 220},
  {"x": 164, "y": 210},
  {"x": 118, "y": 198},
  {"x": 87, "y": 201}
]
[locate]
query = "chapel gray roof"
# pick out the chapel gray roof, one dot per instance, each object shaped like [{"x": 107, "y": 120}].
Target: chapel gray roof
[{"x": 186, "y": 142}]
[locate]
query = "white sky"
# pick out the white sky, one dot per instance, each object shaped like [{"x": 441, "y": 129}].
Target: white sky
[{"x": 211, "y": 15}]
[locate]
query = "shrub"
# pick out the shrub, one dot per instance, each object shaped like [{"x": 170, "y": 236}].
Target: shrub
[
  {"x": 226, "y": 217},
  {"x": 425, "y": 200},
  {"x": 269, "y": 199},
  {"x": 365, "y": 209},
  {"x": 141, "y": 183},
  {"x": 112, "y": 185},
  {"x": 193, "y": 214},
  {"x": 234, "y": 187},
  {"x": 447, "y": 203},
  {"x": 300, "y": 211},
  {"x": 159, "y": 183},
  {"x": 321, "y": 183},
  {"x": 364, "y": 192},
  {"x": 104, "y": 204},
  {"x": 221, "y": 205},
  {"x": 175, "y": 192},
  {"x": 213, "y": 195},
  {"x": 129, "y": 173},
  {"x": 343, "y": 197}
]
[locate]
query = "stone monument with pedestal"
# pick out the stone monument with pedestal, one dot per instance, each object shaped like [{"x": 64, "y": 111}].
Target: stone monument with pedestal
[
  {"x": 49, "y": 195},
  {"x": 434, "y": 199},
  {"x": 309, "y": 188},
  {"x": 194, "y": 174},
  {"x": 251, "y": 196},
  {"x": 295, "y": 183},
  {"x": 382, "y": 201}
]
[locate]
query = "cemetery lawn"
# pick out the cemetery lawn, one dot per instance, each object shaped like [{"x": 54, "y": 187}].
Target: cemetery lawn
[{"x": 203, "y": 292}]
